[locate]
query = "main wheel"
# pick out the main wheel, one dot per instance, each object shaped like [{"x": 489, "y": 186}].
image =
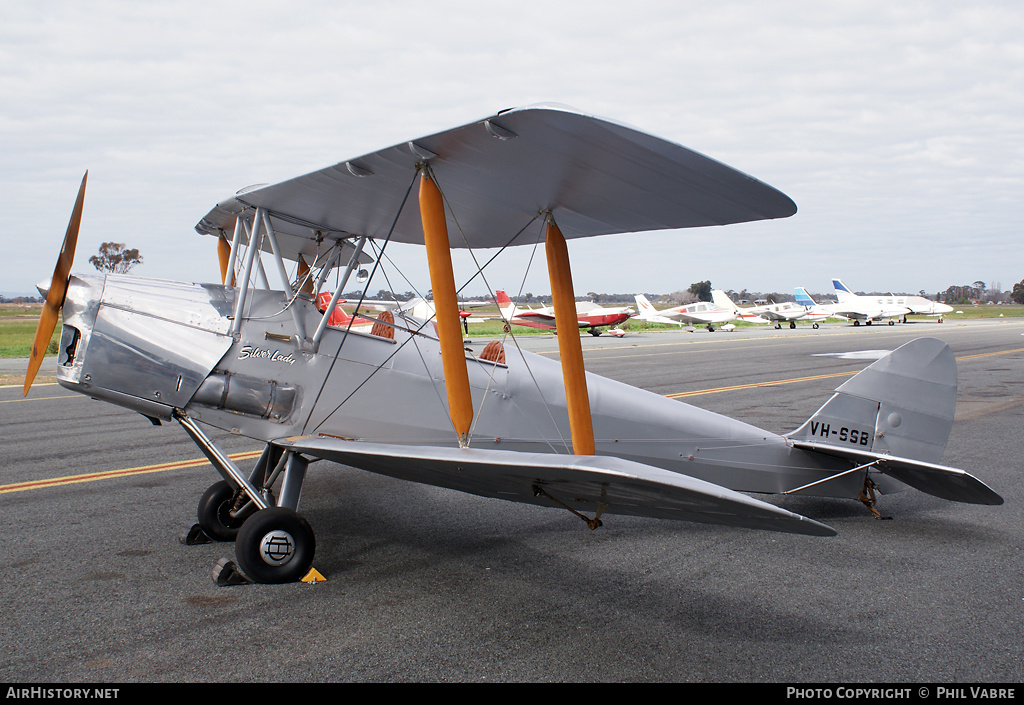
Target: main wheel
[
  {"x": 792, "y": 325},
  {"x": 814, "y": 326},
  {"x": 275, "y": 545},
  {"x": 214, "y": 512}
]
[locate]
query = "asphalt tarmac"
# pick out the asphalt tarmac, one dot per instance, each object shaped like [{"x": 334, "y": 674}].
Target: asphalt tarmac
[{"x": 430, "y": 585}]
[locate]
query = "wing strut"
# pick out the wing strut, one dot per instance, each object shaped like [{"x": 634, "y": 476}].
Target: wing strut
[
  {"x": 570, "y": 350},
  {"x": 446, "y": 306}
]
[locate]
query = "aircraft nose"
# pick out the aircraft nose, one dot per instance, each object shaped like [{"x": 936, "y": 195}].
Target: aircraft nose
[{"x": 43, "y": 287}]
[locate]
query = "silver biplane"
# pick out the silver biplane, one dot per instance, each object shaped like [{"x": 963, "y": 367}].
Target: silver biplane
[{"x": 406, "y": 399}]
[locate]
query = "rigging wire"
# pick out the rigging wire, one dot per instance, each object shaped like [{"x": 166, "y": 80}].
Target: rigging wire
[{"x": 362, "y": 296}]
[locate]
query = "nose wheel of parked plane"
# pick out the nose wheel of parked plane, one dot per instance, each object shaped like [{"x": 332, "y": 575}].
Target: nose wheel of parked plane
[{"x": 275, "y": 545}]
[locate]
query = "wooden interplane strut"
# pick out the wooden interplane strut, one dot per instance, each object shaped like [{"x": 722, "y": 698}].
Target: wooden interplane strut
[
  {"x": 446, "y": 306},
  {"x": 570, "y": 350}
]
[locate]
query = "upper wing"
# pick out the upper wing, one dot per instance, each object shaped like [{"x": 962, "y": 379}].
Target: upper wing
[
  {"x": 585, "y": 483},
  {"x": 596, "y": 177}
]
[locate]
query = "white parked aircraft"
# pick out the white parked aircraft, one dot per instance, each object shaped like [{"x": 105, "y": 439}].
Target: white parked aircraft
[
  {"x": 700, "y": 313},
  {"x": 810, "y": 305},
  {"x": 778, "y": 314},
  {"x": 864, "y": 308},
  {"x": 915, "y": 304}
]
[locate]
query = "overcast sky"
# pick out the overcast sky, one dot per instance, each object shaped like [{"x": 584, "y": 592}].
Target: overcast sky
[{"x": 896, "y": 127}]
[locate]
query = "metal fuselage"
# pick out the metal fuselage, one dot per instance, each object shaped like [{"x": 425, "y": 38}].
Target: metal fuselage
[{"x": 155, "y": 346}]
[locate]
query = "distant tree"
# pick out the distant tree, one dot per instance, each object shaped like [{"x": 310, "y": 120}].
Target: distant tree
[
  {"x": 113, "y": 257},
  {"x": 1017, "y": 295},
  {"x": 965, "y": 294},
  {"x": 678, "y": 297},
  {"x": 702, "y": 290}
]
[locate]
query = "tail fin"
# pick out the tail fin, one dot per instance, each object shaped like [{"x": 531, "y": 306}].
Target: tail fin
[
  {"x": 722, "y": 300},
  {"x": 803, "y": 298},
  {"x": 843, "y": 292},
  {"x": 901, "y": 404},
  {"x": 896, "y": 414},
  {"x": 643, "y": 305},
  {"x": 505, "y": 305}
]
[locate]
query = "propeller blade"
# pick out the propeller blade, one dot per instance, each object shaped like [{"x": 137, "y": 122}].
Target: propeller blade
[
  {"x": 58, "y": 289},
  {"x": 224, "y": 252}
]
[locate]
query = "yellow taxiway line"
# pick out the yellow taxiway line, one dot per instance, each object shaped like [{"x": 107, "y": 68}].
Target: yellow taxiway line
[
  {"x": 123, "y": 472},
  {"x": 773, "y": 383}
]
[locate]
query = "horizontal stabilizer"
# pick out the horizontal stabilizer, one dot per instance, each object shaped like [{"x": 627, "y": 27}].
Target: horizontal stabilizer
[
  {"x": 596, "y": 484},
  {"x": 938, "y": 480}
]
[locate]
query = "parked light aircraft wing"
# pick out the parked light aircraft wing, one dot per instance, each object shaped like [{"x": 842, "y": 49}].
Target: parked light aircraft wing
[
  {"x": 585, "y": 483},
  {"x": 596, "y": 176}
]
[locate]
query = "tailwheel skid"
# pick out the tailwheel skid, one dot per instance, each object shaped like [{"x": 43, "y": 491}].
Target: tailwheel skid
[{"x": 867, "y": 496}]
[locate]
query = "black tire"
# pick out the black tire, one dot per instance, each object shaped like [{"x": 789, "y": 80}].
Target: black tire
[
  {"x": 213, "y": 514},
  {"x": 814, "y": 326},
  {"x": 275, "y": 545},
  {"x": 792, "y": 325}
]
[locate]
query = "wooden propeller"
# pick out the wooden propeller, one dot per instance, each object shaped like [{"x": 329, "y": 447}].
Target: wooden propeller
[{"x": 58, "y": 289}]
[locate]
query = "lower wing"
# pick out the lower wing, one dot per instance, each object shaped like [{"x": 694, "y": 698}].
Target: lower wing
[{"x": 600, "y": 484}]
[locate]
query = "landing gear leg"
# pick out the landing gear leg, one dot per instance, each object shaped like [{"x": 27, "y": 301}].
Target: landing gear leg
[{"x": 273, "y": 543}]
